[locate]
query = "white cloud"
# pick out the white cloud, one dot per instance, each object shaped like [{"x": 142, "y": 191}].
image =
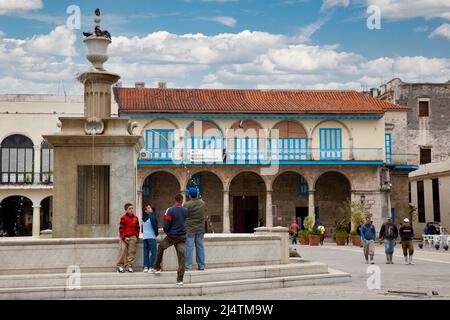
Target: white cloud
[
  {"x": 442, "y": 31},
  {"x": 406, "y": 9},
  {"x": 12, "y": 6},
  {"x": 39, "y": 63},
  {"x": 245, "y": 60},
  {"x": 226, "y": 21},
  {"x": 328, "y": 4}
]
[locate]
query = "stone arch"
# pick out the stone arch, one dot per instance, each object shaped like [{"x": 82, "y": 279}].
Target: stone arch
[
  {"x": 210, "y": 186},
  {"x": 349, "y": 132},
  {"x": 332, "y": 189},
  {"x": 35, "y": 143},
  {"x": 207, "y": 121},
  {"x": 289, "y": 122},
  {"x": 159, "y": 189},
  {"x": 16, "y": 216},
  {"x": 149, "y": 123},
  {"x": 290, "y": 191},
  {"x": 46, "y": 215},
  {"x": 247, "y": 201}
]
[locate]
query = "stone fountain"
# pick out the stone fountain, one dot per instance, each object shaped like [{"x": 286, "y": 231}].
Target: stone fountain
[{"x": 95, "y": 156}]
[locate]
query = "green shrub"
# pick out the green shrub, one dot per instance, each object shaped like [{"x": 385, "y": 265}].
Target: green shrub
[
  {"x": 308, "y": 223},
  {"x": 315, "y": 231},
  {"x": 354, "y": 233},
  {"x": 303, "y": 233},
  {"x": 340, "y": 234}
]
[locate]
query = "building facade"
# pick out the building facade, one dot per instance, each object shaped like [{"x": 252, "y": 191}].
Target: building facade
[
  {"x": 275, "y": 156},
  {"x": 278, "y": 156},
  {"x": 428, "y": 131},
  {"x": 428, "y": 118},
  {"x": 430, "y": 187},
  {"x": 26, "y": 181}
]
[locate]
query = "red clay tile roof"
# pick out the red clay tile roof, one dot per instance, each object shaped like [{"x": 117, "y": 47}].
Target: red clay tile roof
[{"x": 142, "y": 101}]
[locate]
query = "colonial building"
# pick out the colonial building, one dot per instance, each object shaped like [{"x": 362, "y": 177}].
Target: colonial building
[
  {"x": 264, "y": 154},
  {"x": 428, "y": 117},
  {"x": 428, "y": 132},
  {"x": 430, "y": 187},
  {"x": 26, "y": 180}
]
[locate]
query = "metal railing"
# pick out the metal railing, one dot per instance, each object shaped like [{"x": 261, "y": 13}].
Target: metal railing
[{"x": 28, "y": 178}]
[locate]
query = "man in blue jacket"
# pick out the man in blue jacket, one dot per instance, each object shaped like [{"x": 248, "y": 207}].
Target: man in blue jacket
[
  {"x": 174, "y": 227},
  {"x": 368, "y": 237}
]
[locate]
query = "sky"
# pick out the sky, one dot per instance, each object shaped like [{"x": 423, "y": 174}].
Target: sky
[{"x": 254, "y": 44}]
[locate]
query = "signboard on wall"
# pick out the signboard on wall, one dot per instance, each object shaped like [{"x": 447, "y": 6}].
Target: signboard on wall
[{"x": 206, "y": 155}]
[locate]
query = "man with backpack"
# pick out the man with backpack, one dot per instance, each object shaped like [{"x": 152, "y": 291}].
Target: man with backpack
[
  {"x": 389, "y": 233},
  {"x": 368, "y": 237}
]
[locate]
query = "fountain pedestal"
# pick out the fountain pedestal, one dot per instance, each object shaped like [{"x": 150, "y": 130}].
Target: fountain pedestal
[{"x": 95, "y": 158}]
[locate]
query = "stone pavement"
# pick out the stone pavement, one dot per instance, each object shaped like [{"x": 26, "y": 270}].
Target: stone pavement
[{"x": 431, "y": 273}]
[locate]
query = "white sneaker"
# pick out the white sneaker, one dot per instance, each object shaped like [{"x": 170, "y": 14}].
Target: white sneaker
[
  {"x": 406, "y": 261},
  {"x": 145, "y": 270},
  {"x": 411, "y": 261},
  {"x": 179, "y": 284},
  {"x": 120, "y": 270},
  {"x": 130, "y": 270},
  {"x": 155, "y": 271}
]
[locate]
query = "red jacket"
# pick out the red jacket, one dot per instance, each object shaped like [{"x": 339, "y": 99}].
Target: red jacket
[{"x": 129, "y": 226}]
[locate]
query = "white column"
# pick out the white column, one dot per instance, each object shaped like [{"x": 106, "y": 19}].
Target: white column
[
  {"x": 36, "y": 221},
  {"x": 269, "y": 212},
  {"x": 139, "y": 205},
  {"x": 37, "y": 164},
  {"x": 226, "y": 211},
  {"x": 311, "y": 204}
]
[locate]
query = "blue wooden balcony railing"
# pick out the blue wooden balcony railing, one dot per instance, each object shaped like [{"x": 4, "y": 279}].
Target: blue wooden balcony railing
[{"x": 254, "y": 151}]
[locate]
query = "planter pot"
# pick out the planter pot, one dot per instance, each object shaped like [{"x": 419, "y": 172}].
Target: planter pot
[
  {"x": 356, "y": 240},
  {"x": 314, "y": 240},
  {"x": 341, "y": 241},
  {"x": 304, "y": 240}
]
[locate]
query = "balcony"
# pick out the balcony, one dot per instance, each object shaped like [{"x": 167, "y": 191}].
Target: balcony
[
  {"x": 217, "y": 150},
  {"x": 26, "y": 178}
]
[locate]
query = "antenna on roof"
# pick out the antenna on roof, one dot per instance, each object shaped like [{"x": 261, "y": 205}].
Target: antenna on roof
[{"x": 61, "y": 86}]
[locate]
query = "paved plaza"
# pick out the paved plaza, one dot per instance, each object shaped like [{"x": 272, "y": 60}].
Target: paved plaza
[{"x": 431, "y": 272}]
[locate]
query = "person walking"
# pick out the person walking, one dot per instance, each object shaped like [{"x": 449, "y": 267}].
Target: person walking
[
  {"x": 149, "y": 234},
  {"x": 407, "y": 234},
  {"x": 195, "y": 230},
  {"x": 388, "y": 233},
  {"x": 293, "y": 230},
  {"x": 129, "y": 233},
  {"x": 368, "y": 237},
  {"x": 174, "y": 227}
]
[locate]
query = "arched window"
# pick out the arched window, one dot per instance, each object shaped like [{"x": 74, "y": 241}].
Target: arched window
[
  {"x": 46, "y": 162},
  {"x": 17, "y": 153}
]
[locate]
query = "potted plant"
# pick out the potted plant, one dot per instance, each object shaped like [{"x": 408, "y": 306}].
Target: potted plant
[
  {"x": 359, "y": 210},
  {"x": 340, "y": 236},
  {"x": 308, "y": 223},
  {"x": 356, "y": 238},
  {"x": 303, "y": 235},
  {"x": 314, "y": 236}
]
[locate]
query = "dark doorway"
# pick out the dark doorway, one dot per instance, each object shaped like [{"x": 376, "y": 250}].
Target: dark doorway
[
  {"x": 301, "y": 213},
  {"x": 16, "y": 217},
  {"x": 245, "y": 217}
]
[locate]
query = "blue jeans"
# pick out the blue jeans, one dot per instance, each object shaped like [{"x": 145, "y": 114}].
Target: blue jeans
[
  {"x": 389, "y": 246},
  {"x": 149, "y": 247},
  {"x": 198, "y": 239}
]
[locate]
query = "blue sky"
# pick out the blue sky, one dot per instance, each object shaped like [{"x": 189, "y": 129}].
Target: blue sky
[{"x": 320, "y": 44}]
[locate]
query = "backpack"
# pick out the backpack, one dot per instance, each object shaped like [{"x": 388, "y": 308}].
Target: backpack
[{"x": 368, "y": 235}]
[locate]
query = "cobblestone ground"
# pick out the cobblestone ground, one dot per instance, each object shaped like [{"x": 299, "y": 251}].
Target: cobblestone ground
[{"x": 431, "y": 272}]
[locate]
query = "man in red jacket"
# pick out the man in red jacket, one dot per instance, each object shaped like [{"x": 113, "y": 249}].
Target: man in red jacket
[{"x": 129, "y": 235}]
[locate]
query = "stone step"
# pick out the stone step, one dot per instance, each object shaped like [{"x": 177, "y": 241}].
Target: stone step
[
  {"x": 170, "y": 290},
  {"x": 295, "y": 268}
]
